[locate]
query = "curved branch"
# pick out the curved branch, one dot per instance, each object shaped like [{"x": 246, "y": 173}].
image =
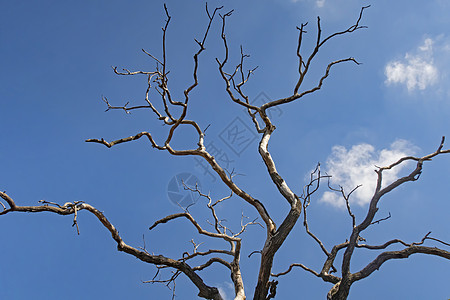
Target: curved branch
[
  {"x": 210, "y": 262},
  {"x": 229, "y": 78},
  {"x": 205, "y": 291},
  {"x": 127, "y": 139},
  {"x": 187, "y": 256},
  {"x": 270, "y": 225},
  {"x": 325, "y": 277},
  {"x": 308, "y": 191},
  {"x": 296, "y": 95},
  {"x": 347, "y": 280},
  {"x": 405, "y": 253},
  {"x": 196, "y": 225},
  {"x": 279, "y": 182},
  {"x": 397, "y": 241},
  {"x": 319, "y": 44}
]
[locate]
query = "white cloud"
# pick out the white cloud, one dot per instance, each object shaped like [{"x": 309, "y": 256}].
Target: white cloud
[
  {"x": 356, "y": 166},
  {"x": 320, "y": 3},
  {"x": 225, "y": 290},
  {"x": 416, "y": 71}
]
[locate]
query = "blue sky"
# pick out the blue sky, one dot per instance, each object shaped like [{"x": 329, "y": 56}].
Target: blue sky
[{"x": 56, "y": 61}]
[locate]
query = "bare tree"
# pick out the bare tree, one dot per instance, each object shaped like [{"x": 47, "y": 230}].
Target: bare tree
[{"x": 173, "y": 116}]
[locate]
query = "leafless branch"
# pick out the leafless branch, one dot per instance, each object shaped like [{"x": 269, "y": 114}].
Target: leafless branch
[
  {"x": 405, "y": 253},
  {"x": 172, "y": 113},
  {"x": 303, "y": 67},
  {"x": 381, "y": 220},
  {"x": 296, "y": 265},
  {"x": 308, "y": 191},
  {"x": 325, "y": 277},
  {"x": 244, "y": 226},
  {"x": 205, "y": 291},
  {"x": 174, "y": 123},
  {"x": 145, "y": 247},
  {"x": 290, "y": 220},
  {"x": 200, "y": 230},
  {"x": 187, "y": 256},
  {"x": 272, "y": 289},
  {"x": 347, "y": 277},
  {"x": 128, "y": 139},
  {"x": 211, "y": 261},
  {"x": 234, "y": 241},
  {"x": 395, "y": 241},
  {"x": 253, "y": 252},
  {"x": 217, "y": 223},
  {"x": 346, "y": 199},
  {"x": 297, "y": 95},
  {"x": 438, "y": 240},
  {"x": 166, "y": 282}
]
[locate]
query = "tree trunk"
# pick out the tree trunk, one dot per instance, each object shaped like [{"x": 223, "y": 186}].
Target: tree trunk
[{"x": 339, "y": 291}]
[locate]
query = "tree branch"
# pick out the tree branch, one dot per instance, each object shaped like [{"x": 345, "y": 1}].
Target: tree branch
[
  {"x": 405, "y": 253},
  {"x": 347, "y": 277},
  {"x": 205, "y": 291}
]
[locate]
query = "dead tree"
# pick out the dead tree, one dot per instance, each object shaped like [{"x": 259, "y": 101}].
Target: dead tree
[{"x": 173, "y": 116}]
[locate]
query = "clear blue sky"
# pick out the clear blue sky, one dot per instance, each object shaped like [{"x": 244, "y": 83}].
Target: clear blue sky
[{"x": 56, "y": 59}]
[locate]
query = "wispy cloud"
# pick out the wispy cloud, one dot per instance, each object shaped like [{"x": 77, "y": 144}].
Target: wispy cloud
[
  {"x": 416, "y": 71},
  {"x": 319, "y": 3},
  {"x": 225, "y": 290},
  {"x": 353, "y": 167}
]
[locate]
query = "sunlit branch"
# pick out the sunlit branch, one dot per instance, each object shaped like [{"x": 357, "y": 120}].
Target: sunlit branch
[
  {"x": 347, "y": 277},
  {"x": 210, "y": 205},
  {"x": 205, "y": 291},
  {"x": 200, "y": 230},
  {"x": 128, "y": 139},
  {"x": 187, "y": 256},
  {"x": 210, "y": 262}
]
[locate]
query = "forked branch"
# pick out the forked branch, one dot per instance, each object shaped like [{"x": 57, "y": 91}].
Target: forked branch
[
  {"x": 205, "y": 291},
  {"x": 347, "y": 278}
]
